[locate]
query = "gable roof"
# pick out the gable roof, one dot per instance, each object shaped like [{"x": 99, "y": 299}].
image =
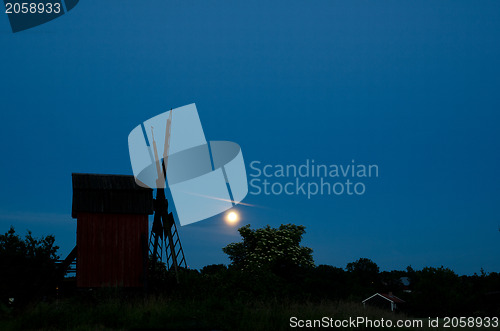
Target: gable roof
[
  {"x": 389, "y": 297},
  {"x": 95, "y": 193}
]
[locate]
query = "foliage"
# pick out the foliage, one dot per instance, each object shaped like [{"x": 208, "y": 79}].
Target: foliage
[
  {"x": 437, "y": 291},
  {"x": 363, "y": 266},
  {"x": 364, "y": 277},
  {"x": 28, "y": 266},
  {"x": 161, "y": 312},
  {"x": 213, "y": 269},
  {"x": 327, "y": 282},
  {"x": 270, "y": 249},
  {"x": 269, "y": 262},
  {"x": 268, "y": 267},
  {"x": 158, "y": 274}
]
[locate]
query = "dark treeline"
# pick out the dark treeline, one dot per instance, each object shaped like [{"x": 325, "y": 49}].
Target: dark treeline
[
  {"x": 431, "y": 291},
  {"x": 268, "y": 264},
  {"x": 27, "y": 268}
]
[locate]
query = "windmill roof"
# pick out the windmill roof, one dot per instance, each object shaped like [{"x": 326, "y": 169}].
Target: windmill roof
[{"x": 118, "y": 194}]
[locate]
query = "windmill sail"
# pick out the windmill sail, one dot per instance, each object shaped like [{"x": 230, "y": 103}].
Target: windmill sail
[{"x": 164, "y": 232}]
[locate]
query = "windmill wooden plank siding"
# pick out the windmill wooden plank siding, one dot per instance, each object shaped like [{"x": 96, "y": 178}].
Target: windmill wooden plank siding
[{"x": 112, "y": 230}]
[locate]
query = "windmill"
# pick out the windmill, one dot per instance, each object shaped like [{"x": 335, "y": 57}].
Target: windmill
[{"x": 164, "y": 235}]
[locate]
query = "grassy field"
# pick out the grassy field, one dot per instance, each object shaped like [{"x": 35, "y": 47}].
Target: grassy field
[{"x": 162, "y": 313}]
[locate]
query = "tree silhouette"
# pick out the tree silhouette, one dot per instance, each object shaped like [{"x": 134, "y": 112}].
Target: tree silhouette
[
  {"x": 28, "y": 267},
  {"x": 270, "y": 249},
  {"x": 365, "y": 277}
]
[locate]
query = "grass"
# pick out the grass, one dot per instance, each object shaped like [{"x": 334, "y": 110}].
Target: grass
[{"x": 164, "y": 313}]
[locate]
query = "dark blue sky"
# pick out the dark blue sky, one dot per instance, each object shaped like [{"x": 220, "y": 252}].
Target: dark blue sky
[{"x": 410, "y": 86}]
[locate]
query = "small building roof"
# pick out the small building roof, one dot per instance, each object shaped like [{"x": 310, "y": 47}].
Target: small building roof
[
  {"x": 113, "y": 194},
  {"x": 388, "y": 296}
]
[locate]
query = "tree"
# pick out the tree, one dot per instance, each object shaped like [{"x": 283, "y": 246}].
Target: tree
[
  {"x": 270, "y": 249},
  {"x": 327, "y": 282},
  {"x": 363, "y": 266},
  {"x": 438, "y": 291},
  {"x": 27, "y": 266},
  {"x": 364, "y": 273}
]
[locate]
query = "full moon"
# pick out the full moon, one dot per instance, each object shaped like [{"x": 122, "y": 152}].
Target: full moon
[{"x": 232, "y": 217}]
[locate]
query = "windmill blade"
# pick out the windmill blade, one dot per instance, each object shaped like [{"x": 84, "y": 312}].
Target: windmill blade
[
  {"x": 166, "y": 146},
  {"x": 160, "y": 181}
]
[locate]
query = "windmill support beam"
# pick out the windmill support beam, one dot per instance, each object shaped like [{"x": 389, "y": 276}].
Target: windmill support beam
[{"x": 164, "y": 229}]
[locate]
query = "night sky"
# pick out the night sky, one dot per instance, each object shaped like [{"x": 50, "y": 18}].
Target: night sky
[{"x": 412, "y": 87}]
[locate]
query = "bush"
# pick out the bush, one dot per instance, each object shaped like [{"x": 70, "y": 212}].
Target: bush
[{"x": 28, "y": 267}]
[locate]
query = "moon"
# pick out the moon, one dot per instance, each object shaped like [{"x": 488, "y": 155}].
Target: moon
[{"x": 232, "y": 218}]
